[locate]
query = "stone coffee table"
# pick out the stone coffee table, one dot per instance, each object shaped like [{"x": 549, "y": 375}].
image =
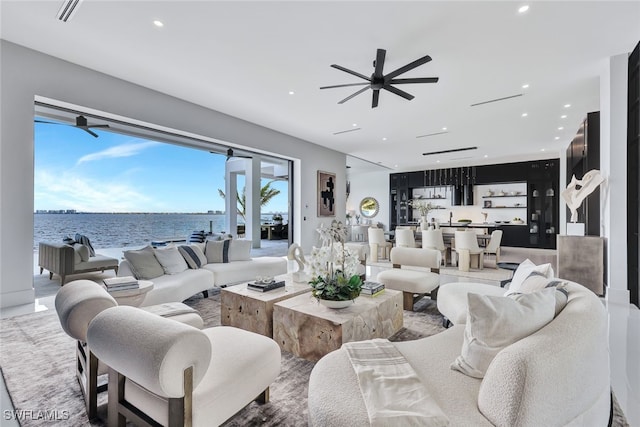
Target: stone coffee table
[
  {"x": 309, "y": 330},
  {"x": 253, "y": 310}
]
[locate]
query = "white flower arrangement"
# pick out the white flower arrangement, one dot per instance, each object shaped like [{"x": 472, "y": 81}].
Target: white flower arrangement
[{"x": 421, "y": 206}]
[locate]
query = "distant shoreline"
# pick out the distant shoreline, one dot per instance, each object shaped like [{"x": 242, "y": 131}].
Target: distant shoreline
[{"x": 143, "y": 213}]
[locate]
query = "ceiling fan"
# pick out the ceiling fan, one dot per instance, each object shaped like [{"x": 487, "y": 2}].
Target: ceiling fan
[
  {"x": 379, "y": 81},
  {"x": 81, "y": 123}
]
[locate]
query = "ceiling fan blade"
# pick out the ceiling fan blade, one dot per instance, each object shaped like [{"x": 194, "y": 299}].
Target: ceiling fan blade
[
  {"x": 376, "y": 97},
  {"x": 398, "y": 92},
  {"x": 416, "y": 80},
  {"x": 407, "y": 67},
  {"x": 353, "y": 94},
  {"x": 346, "y": 70},
  {"x": 345, "y": 85},
  {"x": 380, "y": 55},
  {"x": 86, "y": 129}
]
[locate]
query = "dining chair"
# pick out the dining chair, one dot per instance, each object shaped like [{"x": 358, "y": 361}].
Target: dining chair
[
  {"x": 433, "y": 239},
  {"x": 377, "y": 241},
  {"x": 467, "y": 249},
  {"x": 405, "y": 238},
  {"x": 358, "y": 233},
  {"x": 493, "y": 248}
]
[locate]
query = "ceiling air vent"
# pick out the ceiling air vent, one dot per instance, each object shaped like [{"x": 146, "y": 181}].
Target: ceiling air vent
[
  {"x": 431, "y": 134},
  {"x": 454, "y": 150},
  {"x": 68, "y": 9},
  {"x": 345, "y": 131},
  {"x": 496, "y": 100}
]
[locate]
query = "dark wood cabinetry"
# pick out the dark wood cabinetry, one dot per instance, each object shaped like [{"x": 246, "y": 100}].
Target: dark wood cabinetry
[
  {"x": 583, "y": 155},
  {"x": 542, "y": 177}
]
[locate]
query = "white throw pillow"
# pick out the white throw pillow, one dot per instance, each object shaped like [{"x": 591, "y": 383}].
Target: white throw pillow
[
  {"x": 240, "y": 250},
  {"x": 193, "y": 255},
  {"x": 495, "y": 322},
  {"x": 536, "y": 282},
  {"x": 217, "y": 251},
  {"x": 171, "y": 260},
  {"x": 144, "y": 264},
  {"x": 526, "y": 269},
  {"x": 82, "y": 253}
]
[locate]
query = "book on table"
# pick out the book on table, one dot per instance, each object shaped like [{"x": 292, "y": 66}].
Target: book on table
[
  {"x": 371, "y": 288},
  {"x": 121, "y": 283},
  {"x": 265, "y": 287}
]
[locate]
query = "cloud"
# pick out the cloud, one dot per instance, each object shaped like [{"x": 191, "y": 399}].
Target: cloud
[
  {"x": 124, "y": 150},
  {"x": 70, "y": 191}
]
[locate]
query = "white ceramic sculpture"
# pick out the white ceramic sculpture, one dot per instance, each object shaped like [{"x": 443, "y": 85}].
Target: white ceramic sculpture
[
  {"x": 295, "y": 254},
  {"x": 579, "y": 189}
]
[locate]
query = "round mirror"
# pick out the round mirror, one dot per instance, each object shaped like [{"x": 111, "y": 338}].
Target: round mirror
[{"x": 369, "y": 207}]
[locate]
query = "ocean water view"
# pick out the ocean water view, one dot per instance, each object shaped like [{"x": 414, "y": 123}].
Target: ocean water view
[{"x": 119, "y": 230}]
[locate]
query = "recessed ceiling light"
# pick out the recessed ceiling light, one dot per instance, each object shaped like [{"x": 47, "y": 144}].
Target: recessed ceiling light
[
  {"x": 395, "y": 166},
  {"x": 437, "y": 161},
  {"x": 525, "y": 86},
  {"x": 542, "y": 149},
  {"x": 523, "y": 9},
  {"x": 444, "y": 128},
  {"x": 525, "y": 114},
  {"x": 564, "y": 116},
  {"x": 567, "y": 105},
  {"x": 384, "y": 139},
  {"x": 291, "y": 92},
  {"x": 158, "y": 23},
  {"x": 557, "y": 138},
  {"x": 354, "y": 125},
  {"x": 486, "y": 155},
  {"x": 560, "y": 128}
]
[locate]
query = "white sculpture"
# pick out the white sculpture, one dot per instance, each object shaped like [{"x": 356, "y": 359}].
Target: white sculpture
[
  {"x": 579, "y": 189},
  {"x": 295, "y": 254}
]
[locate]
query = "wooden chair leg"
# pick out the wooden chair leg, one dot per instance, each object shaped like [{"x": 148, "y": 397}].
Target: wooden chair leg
[
  {"x": 263, "y": 397},
  {"x": 407, "y": 301}
]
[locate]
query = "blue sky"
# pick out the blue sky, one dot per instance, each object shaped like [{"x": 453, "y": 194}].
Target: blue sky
[{"x": 119, "y": 173}]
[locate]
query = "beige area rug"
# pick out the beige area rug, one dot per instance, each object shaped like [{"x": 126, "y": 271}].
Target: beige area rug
[{"x": 38, "y": 365}]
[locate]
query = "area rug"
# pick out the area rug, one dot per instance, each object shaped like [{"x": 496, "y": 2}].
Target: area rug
[{"x": 37, "y": 363}]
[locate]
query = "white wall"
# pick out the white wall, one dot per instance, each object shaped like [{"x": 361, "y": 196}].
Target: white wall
[
  {"x": 370, "y": 184},
  {"x": 26, "y": 74},
  {"x": 613, "y": 164}
]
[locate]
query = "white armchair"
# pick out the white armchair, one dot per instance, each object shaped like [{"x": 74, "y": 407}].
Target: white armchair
[
  {"x": 467, "y": 249},
  {"x": 432, "y": 239},
  {"x": 493, "y": 248},
  {"x": 405, "y": 238},
  {"x": 377, "y": 241},
  {"x": 173, "y": 374}
]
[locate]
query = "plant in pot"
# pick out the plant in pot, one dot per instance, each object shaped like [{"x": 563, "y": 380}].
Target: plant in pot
[
  {"x": 334, "y": 268},
  {"x": 423, "y": 207},
  {"x": 277, "y": 218}
]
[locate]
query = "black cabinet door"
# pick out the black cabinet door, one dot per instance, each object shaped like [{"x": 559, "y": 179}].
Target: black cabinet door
[
  {"x": 416, "y": 179},
  {"x": 515, "y": 236}
]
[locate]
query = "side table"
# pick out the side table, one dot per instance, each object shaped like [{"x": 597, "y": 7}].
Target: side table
[{"x": 133, "y": 297}]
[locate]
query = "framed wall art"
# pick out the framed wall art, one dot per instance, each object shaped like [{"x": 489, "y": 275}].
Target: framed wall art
[{"x": 326, "y": 193}]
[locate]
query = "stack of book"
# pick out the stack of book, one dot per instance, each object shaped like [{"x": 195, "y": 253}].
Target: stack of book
[
  {"x": 264, "y": 287},
  {"x": 372, "y": 289},
  {"x": 121, "y": 283}
]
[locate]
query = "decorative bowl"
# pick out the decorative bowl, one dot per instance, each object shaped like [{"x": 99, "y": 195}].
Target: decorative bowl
[{"x": 336, "y": 304}]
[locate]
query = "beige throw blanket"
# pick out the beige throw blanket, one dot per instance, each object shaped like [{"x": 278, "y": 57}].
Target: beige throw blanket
[
  {"x": 169, "y": 309},
  {"x": 392, "y": 392}
]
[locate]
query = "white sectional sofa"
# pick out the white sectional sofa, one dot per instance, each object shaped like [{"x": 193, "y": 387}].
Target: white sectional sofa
[
  {"x": 182, "y": 282},
  {"x": 557, "y": 376}
]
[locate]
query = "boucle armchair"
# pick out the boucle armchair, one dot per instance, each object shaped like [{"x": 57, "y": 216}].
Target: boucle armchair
[
  {"x": 77, "y": 304},
  {"x": 171, "y": 374}
]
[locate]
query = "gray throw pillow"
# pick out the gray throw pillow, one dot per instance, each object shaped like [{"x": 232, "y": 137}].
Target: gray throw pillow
[
  {"x": 217, "y": 251},
  {"x": 144, "y": 264}
]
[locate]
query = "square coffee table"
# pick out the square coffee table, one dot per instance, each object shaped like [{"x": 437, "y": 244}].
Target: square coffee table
[
  {"x": 253, "y": 310},
  {"x": 310, "y": 330}
]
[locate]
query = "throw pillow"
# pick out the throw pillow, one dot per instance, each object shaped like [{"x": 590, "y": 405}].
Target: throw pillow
[
  {"x": 526, "y": 269},
  {"x": 193, "y": 255},
  {"x": 217, "y": 251},
  {"x": 171, "y": 260},
  {"x": 81, "y": 238},
  {"x": 68, "y": 241},
  {"x": 197, "y": 236},
  {"x": 81, "y": 253},
  {"x": 494, "y": 323},
  {"x": 240, "y": 250},
  {"x": 144, "y": 264}
]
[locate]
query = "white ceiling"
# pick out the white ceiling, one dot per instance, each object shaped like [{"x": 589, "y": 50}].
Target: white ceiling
[{"x": 243, "y": 58}]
